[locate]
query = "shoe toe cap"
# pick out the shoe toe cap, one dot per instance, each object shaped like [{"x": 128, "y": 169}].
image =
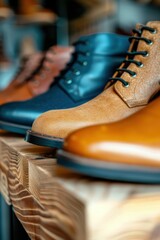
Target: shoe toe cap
[
  {"x": 90, "y": 142},
  {"x": 57, "y": 123},
  {"x": 16, "y": 112}
]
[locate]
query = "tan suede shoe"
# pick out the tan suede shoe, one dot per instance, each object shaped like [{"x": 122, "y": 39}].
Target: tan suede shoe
[
  {"x": 124, "y": 150},
  {"x": 27, "y": 85},
  {"x": 136, "y": 82}
]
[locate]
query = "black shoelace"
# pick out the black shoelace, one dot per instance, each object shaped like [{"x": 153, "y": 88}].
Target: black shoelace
[
  {"x": 37, "y": 70},
  {"x": 40, "y": 71},
  {"x": 134, "y": 53},
  {"x": 21, "y": 67}
]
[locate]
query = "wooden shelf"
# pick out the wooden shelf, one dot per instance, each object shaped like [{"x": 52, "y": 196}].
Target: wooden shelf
[{"x": 53, "y": 203}]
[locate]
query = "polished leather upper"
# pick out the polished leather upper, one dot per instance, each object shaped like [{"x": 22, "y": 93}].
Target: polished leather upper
[
  {"x": 96, "y": 61},
  {"x": 117, "y": 101},
  {"x": 93, "y": 62},
  {"x": 37, "y": 74},
  {"x": 134, "y": 140}
]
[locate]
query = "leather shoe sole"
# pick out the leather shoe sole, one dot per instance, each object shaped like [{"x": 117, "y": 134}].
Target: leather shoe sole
[
  {"x": 107, "y": 170},
  {"x": 12, "y": 127},
  {"x": 43, "y": 140}
]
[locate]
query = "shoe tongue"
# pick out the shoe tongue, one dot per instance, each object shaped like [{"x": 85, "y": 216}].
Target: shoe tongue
[
  {"x": 97, "y": 43},
  {"x": 133, "y": 48},
  {"x": 153, "y": 24},
  {"x": 96, "y": 38},
  {"x": 49, "y": 57}
]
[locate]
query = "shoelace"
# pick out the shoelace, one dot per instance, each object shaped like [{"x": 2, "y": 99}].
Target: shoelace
[
  {"x": 47, "y": 63},
  {"x": 22, "y": 67},
  {"x": 134, "y": 53},
  {"x": 44, "y": 69},
  {"x": 78, "y": 60},
  {"x": 41, "y": 71},
  {"x": 37, "y": 70}
]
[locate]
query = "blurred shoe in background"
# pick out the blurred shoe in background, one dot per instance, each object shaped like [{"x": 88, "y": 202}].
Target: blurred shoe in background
[
  {"x": 30, "y": 11},
  {"x": 99, "y": 15},
  {"x": 5, "y": 10},
  {"x": 37, "y": 74},
  {"x": 5, "y": 62},
  {"x": 27, "y": 67}
]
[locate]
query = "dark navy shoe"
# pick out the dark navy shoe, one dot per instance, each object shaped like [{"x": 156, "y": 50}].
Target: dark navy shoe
[{"x": 95, "y": 59}]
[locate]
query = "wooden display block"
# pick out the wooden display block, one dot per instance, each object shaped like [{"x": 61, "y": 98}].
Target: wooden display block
[{"x": 53, "y": 203}]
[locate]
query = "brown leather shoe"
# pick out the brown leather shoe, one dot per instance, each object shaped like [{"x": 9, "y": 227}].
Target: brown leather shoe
[
  {"x": 26, "y": 86},
  {"x": 136, "y": 82},
  {"x": 124, "y": 150}
]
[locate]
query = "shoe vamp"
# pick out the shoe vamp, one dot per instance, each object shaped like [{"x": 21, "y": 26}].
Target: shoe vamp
[{"x": 26, "y": 112}]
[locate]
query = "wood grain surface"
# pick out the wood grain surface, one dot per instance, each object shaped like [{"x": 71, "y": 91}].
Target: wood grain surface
[{"x": 53, "y": 203}]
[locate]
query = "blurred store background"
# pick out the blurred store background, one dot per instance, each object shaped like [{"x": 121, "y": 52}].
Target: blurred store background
[{"x": 28, "y": 26}]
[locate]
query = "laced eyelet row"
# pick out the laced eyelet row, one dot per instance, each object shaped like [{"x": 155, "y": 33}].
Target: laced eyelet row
[
  {"x": 77, "y": 72},
  {"x": 70, "y": 69},
  {"x": 68, "y": 81},
  {"x": 147, "y": 41},
  {"x": 134, "y": 53},
  {"x": 36, "y": 82}
]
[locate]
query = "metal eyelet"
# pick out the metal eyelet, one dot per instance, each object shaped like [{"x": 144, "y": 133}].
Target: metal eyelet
[
  {"x": 68, "y": 81},
  {"x": 77, "y": 73},
  {"x": 134, "y": 74},
  {"x": 85, "y": 63},
  {"x": 154, "y": 31},
  {"x": 146, "y": 54},
  {"x": 126, "y": 85},
  {"x": 150, "y": 42},
  {"x": 140, "y": 65}
]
